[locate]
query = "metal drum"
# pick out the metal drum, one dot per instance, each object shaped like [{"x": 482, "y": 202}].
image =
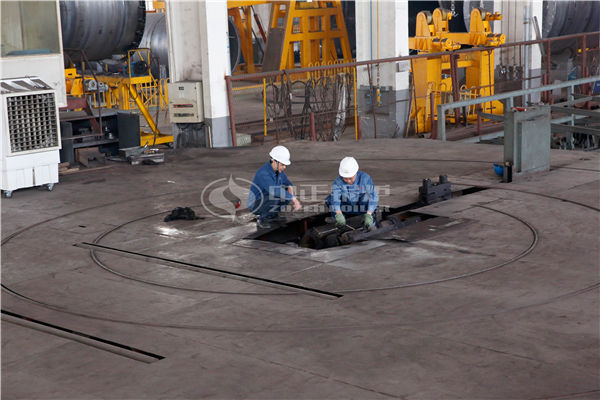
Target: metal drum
[
  {"x": 101, "y": 28},
  {"x": 565, "y": 18},
  {"x": 235, "y": 49},
  {"x": 155, "y": 39}
]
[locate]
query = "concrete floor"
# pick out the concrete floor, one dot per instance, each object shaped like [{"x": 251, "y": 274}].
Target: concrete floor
[{"x": 504, "y": 306}]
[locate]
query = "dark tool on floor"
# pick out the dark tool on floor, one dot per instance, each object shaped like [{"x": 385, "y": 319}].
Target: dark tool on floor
[
  {"x": 390, "y": 223},
  {"x": 181, "y": 213},
  {"x": 142, "y": 155}
]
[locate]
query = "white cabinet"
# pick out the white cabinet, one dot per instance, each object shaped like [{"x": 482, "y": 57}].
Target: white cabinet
[{"x": 30, "y": 142}]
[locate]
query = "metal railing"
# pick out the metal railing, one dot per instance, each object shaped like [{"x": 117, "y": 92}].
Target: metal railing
[{"x": 508, "y": 96}]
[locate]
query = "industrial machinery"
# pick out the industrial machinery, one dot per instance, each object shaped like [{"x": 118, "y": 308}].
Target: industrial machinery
[
  {"x": 242, "y": 14},
  {"x": 559, "y": 17},
  {"x": 104, "y": 64},
  {"x": 436, "y": 79},
  {"x": 126, "y": 84},
  {"x": 316, "y": 30},
  {"x": 116, "y": 73},
  {"x": 300, "y": 33},
  {"x": 30, "y": 142}
]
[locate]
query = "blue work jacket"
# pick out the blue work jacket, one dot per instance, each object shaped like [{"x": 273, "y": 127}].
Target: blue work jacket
[
  {"x": 361, "y": 192},
  {"x": 267, "y": 185}
]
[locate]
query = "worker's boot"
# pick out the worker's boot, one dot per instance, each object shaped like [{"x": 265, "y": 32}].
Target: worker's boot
[
  {"x": 263, "y": 223},
  {"x": 269, "y": 223}
]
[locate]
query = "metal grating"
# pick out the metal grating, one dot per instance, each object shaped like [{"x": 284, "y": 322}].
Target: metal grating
[{"x": 32, "y": 122}]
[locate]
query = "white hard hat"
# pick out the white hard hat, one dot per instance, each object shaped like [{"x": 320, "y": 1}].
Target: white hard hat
[
  {"x": 281, "y": 154},
  {"x": 348, "y": 167}
]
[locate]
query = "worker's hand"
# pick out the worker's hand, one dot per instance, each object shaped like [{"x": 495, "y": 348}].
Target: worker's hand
[
  {"x": 296, "y": 205},
  {"x": 340, "y": 220},
  {"x": 368, "y": 221}
]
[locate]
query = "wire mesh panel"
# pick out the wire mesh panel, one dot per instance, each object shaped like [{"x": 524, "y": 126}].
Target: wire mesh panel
[
  {"x": 32, "y": 122},
  {"x": 329, "y": 97}
]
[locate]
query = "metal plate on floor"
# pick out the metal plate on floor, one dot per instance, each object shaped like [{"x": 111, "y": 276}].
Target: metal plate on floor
[{"x": 425, "y": 229}]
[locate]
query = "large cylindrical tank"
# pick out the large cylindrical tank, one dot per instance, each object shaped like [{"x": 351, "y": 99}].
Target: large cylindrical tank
[
  {"x": 568, "y": 17},
  {"x": 155, "y": 39},
  {"x": 107, "y": 27},
  {"x": 101, "y": 28}
]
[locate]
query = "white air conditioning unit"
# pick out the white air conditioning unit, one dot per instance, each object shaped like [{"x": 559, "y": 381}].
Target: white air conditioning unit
[
  {"x": 185, "y": 102},
  {"x": 30, "y": 142}
]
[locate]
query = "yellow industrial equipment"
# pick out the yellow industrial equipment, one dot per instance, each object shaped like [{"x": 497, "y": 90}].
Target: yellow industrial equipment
[
  {"x": 436, "y": 78},
  {"x": 133, "y": 87},
  {"x": 158, "y": 6},
  {"x": 242, "y": 14},
  {"x": 74, "y": 82},
  {"x": 315, "y": 29}
]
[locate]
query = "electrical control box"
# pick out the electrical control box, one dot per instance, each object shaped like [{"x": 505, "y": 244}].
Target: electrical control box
[{"x": 186, "y": 102}]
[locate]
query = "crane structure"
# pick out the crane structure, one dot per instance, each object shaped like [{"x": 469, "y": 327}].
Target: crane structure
[
  {"x": 316, "y": 30},
  {"x": 436, "y": 79}
]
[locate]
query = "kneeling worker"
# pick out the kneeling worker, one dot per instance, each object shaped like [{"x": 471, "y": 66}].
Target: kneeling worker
[
  {"x": 271, "y": 190},
  {"x": 352, "y": 193}
]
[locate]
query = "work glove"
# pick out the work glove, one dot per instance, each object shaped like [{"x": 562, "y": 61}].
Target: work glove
[
  {"x": 340, "y": 220},
  {"x": 368, "y": 221}
]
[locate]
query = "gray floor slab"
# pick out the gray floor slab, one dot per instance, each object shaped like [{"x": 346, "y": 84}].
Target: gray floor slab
[{"x": 502, "y": 307}]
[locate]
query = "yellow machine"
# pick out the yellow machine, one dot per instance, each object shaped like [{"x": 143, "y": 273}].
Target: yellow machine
[
  {"x": 310, "y": 27},
  {"x": 158, "y": 5},
  {"x": 436, "y": 79},
  {"x": 133, "y": 88},
  {"x": 74, "y": 82}
]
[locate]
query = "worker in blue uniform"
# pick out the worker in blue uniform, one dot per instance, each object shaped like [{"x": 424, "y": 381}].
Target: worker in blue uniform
[
  {"x": 271, "y": 190},
  {"x": 352, "y": 193}
]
